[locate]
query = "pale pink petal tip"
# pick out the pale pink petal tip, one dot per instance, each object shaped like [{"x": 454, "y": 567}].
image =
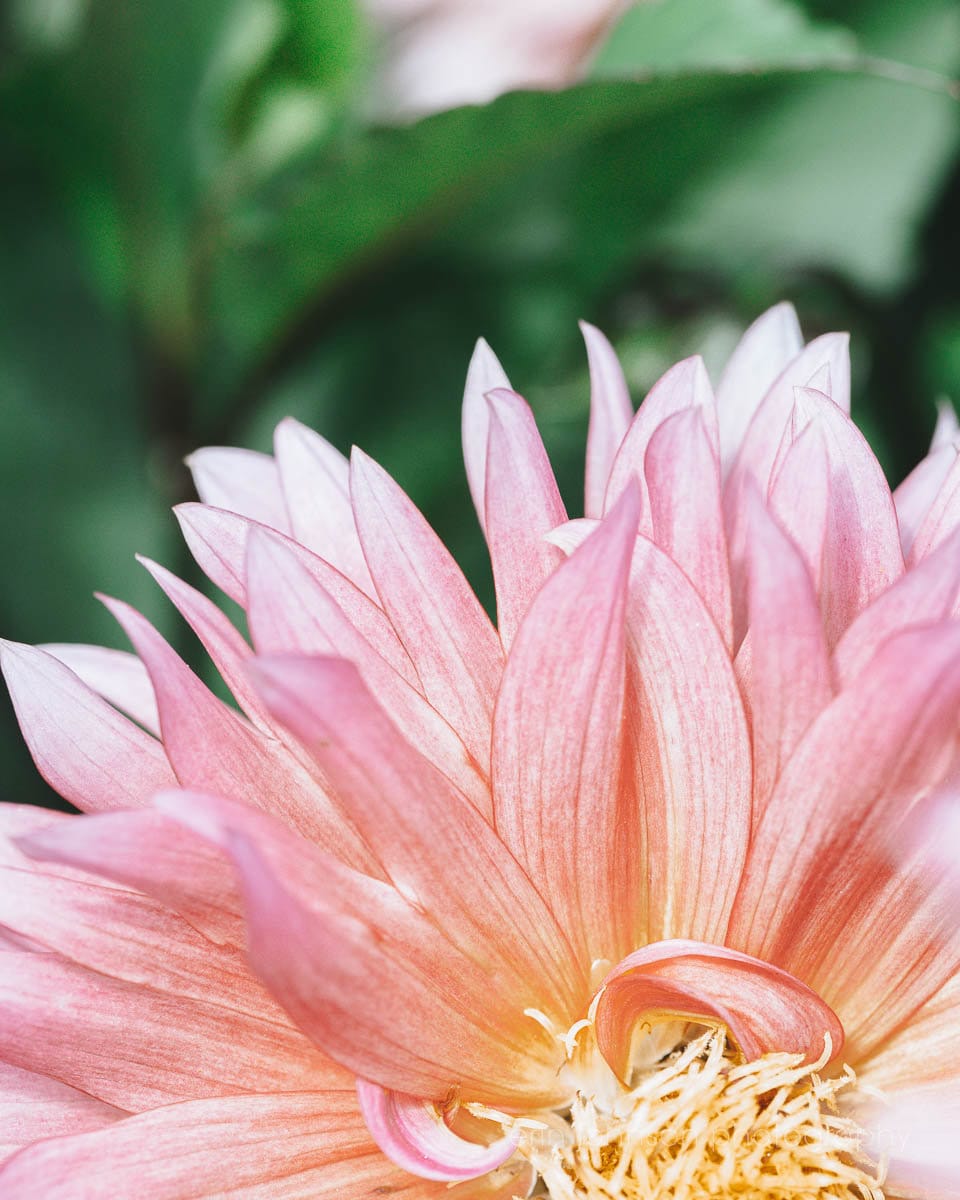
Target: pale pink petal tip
[{"x": 412, "y": 1133}]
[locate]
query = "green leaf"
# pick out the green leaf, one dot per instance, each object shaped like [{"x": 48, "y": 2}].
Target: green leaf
[{"x": 733, "y": 34}]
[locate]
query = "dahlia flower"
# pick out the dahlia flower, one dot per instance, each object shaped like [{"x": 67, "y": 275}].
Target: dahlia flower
[{"x": 624, "y": 897}]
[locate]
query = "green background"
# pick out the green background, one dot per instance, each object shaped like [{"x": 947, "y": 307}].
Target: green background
[{"x": 202, "y": 230}]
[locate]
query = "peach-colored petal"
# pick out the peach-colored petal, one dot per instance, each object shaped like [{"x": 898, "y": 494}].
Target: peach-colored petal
[
  {"x": 116, "y": 675},
  {"x": 34, "y": 1106},
  {"x": 768, "y": 346},
  {"x": 218, "y": 541},
  {"x": 690, "y": 754},
  {"x": 688, "y": 522},
  {"x": 764, "y": 1009},
  {"x": 84, "y": 748},
  {"x": 413, "y": 1134},
  {"x": 685, "y": 385},
  {"x": 924, "y": 1051},
  {"x": 611, "y": 411},
  {"x": 439, "y": 620},
  {"x": 522, "y": 505},
  {"x": 928, "y": 592},
  {"x": 90, "y": 921},
  {"x": 423, "y": 832},
  {"x": 211, "y": 746},
  {"x": 483, "y": 375},
  {"x": 241, "y": 481},
  {"x": 180, "y": 872},
  {"x": 136, "y": 1046},
  {"x": 850, "y": 774},
  {"x": 316, "y": 483},
  {"x": 942, "y": 518},
  {"x": 290, "y": 612},
  {"x": 557, "y": 747},
  {"x": 370, "y": 976},
  {"x": 299, "y": 1146},
  {"x": 784, "y": 663},
  {"x": 915, "y": 495},
  {"x": 227, "y": 649}
]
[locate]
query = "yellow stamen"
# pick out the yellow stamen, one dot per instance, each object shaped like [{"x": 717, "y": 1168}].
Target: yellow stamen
[{"x": 699, "y": 1122}]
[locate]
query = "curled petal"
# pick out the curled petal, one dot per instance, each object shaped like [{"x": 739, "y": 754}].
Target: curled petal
[
  {"x": 413, "y": 1134},
  {"x": 763, "y": 1008}
]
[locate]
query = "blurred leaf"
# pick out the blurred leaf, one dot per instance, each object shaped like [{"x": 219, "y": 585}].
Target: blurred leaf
[{"x": 736, "y": 34}]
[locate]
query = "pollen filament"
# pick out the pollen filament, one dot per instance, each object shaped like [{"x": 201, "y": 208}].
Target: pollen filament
[{"x": 701, "y": 1122}]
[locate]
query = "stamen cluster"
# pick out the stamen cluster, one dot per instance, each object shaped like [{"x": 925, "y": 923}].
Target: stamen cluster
[{"x": 701, "y": 1122}]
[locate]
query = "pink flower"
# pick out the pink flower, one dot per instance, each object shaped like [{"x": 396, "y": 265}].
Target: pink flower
[
  {"x": 626, "y": 897},
  {"x": 441, "y": 53}
]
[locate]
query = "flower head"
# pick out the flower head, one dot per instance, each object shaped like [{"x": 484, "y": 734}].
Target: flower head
[{"x": 627, "y": 896}]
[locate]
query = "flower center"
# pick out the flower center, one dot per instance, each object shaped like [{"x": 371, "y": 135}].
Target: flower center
[{"x": 696, "y": 1120}]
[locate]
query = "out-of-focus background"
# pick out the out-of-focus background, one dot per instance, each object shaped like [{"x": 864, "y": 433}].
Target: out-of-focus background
[{"x": 213, "y": 214}]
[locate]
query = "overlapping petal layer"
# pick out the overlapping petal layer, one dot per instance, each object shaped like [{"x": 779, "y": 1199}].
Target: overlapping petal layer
[{"x": 708, "y": 741}]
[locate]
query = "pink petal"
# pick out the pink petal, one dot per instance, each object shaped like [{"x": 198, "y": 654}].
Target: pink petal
[
  {"x": 316, "y": 483},
  {"x": 928, "y": 592},
  {"x": 942, "y": 518},
  {"x": 34, "y": 1107},
  {"x": 119, "y": 932},
  {"x": 84, "y": 748},
  {"x": 947, "y": 429},
  {"x": 290, "y": 612},
  {"x": 439, "y": 620},
  {"x": 916, "y": 1133},
  {"x": 827, "y": 359},
  {"x": 767, "y": 347},
  {"x": 522, "y": 505},
  {"x": 924, "y": 1052},
  {"x": 789, "y": 679},
  {"x": 861, "y": 551},
  {"x": 764, "y": 1009},
  {"x": 331, "y": 944},
  {"x": 483, "y": 376},
  {"x": 115, "y": 675},
  {"x": 218, "y": 541},
  {"x": 916, "y": 494},
  {"x": 225, "y": 645},
  {"x": 557, "y": 747},
  {"x": 301, "y": 1146},
  {"x": 137, "y": 1047},
  {"x": 422, "y": 831},
  {"x": 800, "y": 495},
  {"x": 685, "y": 385},
  {"x": 611, "y": 411},
  {"x": 212, "y": 747},
  {"x": 688, "y": 521},
  {"x": 690, "y": 754},
  {"x": 854, "y": 770},
  {"x": 413, "y": 1134},
  {"x": 241, "y": 481},
  {"x": 147, "y": 851}
]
